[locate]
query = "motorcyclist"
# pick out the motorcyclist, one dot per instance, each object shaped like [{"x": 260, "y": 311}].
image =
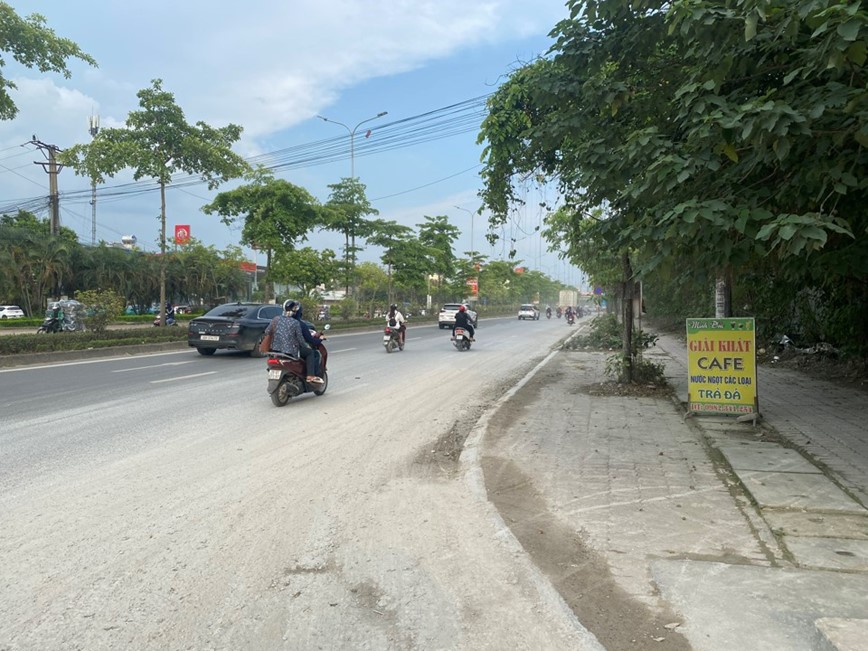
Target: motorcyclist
[
  {"x": 58, "y": 316},
  {"x": 313, "y": 340},
  {"x": 463, "y": 321},
  {"x": 548, "y": 311},
  {"x": 560, "y": 312},
  {"x": 395, "y": 318},
  {"x": 288, "y": 339}
]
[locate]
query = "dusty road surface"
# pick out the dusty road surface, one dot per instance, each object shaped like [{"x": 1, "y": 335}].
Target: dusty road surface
[{"x": 163, "y": 502}]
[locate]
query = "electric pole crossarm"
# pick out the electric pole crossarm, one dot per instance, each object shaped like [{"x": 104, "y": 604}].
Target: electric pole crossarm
[{"x": 52, "y": 168}]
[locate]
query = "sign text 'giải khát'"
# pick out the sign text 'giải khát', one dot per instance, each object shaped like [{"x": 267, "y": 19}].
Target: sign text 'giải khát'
[{"x": 721, "y": 365}]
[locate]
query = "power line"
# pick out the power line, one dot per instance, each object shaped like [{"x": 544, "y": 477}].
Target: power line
[{"x": 445, "y": 122}]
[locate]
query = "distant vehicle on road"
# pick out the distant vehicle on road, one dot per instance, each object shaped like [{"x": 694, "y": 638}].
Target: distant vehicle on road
[
  {"x": 446, "y": 318},
  {"x": 11, "y": 312},
  {"x": 528, "y": 311}
]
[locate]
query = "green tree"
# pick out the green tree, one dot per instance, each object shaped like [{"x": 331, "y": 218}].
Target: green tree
[
  {"x": 277, "y": 215},
  {"x": 306, "y": 268},
  {"x": 348, "y": 208},
  {"x": 30, "y": 42},
  {"x": 389, "y": 235},
  {"x": 156, "y": 143},
  {"x": 35, "y": 264},
  {"x": 102, "y": 306},
  {"x": 373, "y": 284},
  {"x": 689, "y": 123},
  {"x": 411, "y": 265},
  {"x": 438, "y": 236}
]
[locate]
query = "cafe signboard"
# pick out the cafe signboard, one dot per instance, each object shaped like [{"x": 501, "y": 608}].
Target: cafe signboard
[{"x": 721, "y": 366}]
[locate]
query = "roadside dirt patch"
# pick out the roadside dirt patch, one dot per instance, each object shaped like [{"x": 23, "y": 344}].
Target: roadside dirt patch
[
  {"x": 579, "y": 573},
  {"x": 603, "y": 389},
  {"x": 443, "y": 453}
]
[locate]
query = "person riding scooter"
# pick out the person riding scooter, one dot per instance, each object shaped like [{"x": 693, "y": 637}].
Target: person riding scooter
[
  {"x": 396, "y": 320},
  {"x": 463, "y": 321},
  {"x": 313, "y": 340},
  {"x": 288, "y": 339},
  {"x": 548, "y": 311}
]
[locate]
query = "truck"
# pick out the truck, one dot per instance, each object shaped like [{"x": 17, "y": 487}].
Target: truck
[{"x": 568, "y": 297}]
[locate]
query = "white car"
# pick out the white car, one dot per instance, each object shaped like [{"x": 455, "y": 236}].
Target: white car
[
  {"x": 446, "y": 318},
  {"x": 528, "y": 311},
  {"x": 11, "y": 312}
]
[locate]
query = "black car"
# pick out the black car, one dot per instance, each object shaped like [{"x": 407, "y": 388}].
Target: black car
[{"x": 233, "y": 326}]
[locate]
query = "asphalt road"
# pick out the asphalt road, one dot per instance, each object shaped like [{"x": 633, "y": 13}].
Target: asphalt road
[{"x": 162, "y": 501}]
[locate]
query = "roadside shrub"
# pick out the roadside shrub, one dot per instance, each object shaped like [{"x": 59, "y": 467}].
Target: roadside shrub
[
  {"x": 33, "y": 343},
  {"x": 348, "y": 308},
  {"x": 644, "y": 371},
  {"x": 101, "y": 307},
  {"x": 605, "y": 333}
]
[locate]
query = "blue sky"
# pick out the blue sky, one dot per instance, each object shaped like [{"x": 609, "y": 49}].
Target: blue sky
[{"x": 272, "y": 67}]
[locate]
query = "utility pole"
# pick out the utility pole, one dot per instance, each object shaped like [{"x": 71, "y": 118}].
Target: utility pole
[
  {"x": 94, "y": 129},
  {"x": 52, "y": 168}
]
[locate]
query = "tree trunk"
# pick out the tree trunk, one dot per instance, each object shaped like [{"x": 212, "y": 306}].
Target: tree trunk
[
  {"x": 161, "y": 309},
  {"x": 269, "y": 285},
  {"x": 723, "y": 294},
  {"x": 627, "y": 307}
]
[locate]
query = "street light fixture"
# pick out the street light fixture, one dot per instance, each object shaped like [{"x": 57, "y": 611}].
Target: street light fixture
[{"x": 352, "y": 133}]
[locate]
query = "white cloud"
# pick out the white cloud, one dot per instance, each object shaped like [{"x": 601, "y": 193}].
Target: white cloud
[{"x": 268, "y": 65}]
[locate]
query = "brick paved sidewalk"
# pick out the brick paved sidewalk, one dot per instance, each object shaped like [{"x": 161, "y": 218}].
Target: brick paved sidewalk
[{"x": 825, "y": 421}]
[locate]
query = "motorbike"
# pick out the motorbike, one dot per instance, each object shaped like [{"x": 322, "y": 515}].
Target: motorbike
[
  {"x": 549, "y": 313},
  {"x": 461, "y": 339},
  {"x": 170, "y": 321},
  {"x": 560, "y": 313},
  {"x": 392, "y": 339},
  {"x": 287, "y": 376},
  {"x": 50, "y": 325},
  {"x": 571, "y": 318}
]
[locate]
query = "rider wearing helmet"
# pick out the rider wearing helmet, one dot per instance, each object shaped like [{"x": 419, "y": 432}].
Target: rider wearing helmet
[
  {"x": 463, "y": 321},
  {"x": 313, "y": 340},
  {"x": 288, "y": 339},
  {"x": 395, "y": 319}
]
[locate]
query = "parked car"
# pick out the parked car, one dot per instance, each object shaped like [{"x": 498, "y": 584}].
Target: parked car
[
  {"x": 528, "y": 311},
  {"x": 231, "y": 326},
  {"x": 446, "y": 318},
  {"x": 11, "y": 312}
]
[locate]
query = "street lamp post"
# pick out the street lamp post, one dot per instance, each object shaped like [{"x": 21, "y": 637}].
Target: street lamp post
[{"x": 352, "y": 133}]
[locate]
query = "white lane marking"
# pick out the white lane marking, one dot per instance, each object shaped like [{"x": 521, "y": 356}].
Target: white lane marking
[
  {"x": 101, "y": 360},
  {"x": 141, "y": 368},
  {"x": 183, "y": 377},
  {"x": 342, "y": 350}
]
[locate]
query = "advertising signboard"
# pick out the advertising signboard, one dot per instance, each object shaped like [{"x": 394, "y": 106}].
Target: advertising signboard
[
  {"x": 182, "y": 233},
  {"x": 721, "y": 366}
]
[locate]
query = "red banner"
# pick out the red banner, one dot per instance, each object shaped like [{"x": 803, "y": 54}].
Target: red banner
[
  {"x": 248, "y": 266},
  {"x": 182, "y": 233}
]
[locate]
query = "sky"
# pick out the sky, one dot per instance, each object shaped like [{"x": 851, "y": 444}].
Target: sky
[{"x": 273, "y": 67}]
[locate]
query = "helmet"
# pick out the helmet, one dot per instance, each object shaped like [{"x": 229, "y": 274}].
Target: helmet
[
  {"x": 461, "y": 308},
  {"x": 290, "y": 306},
  {"x": 393, "y": 306}
]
